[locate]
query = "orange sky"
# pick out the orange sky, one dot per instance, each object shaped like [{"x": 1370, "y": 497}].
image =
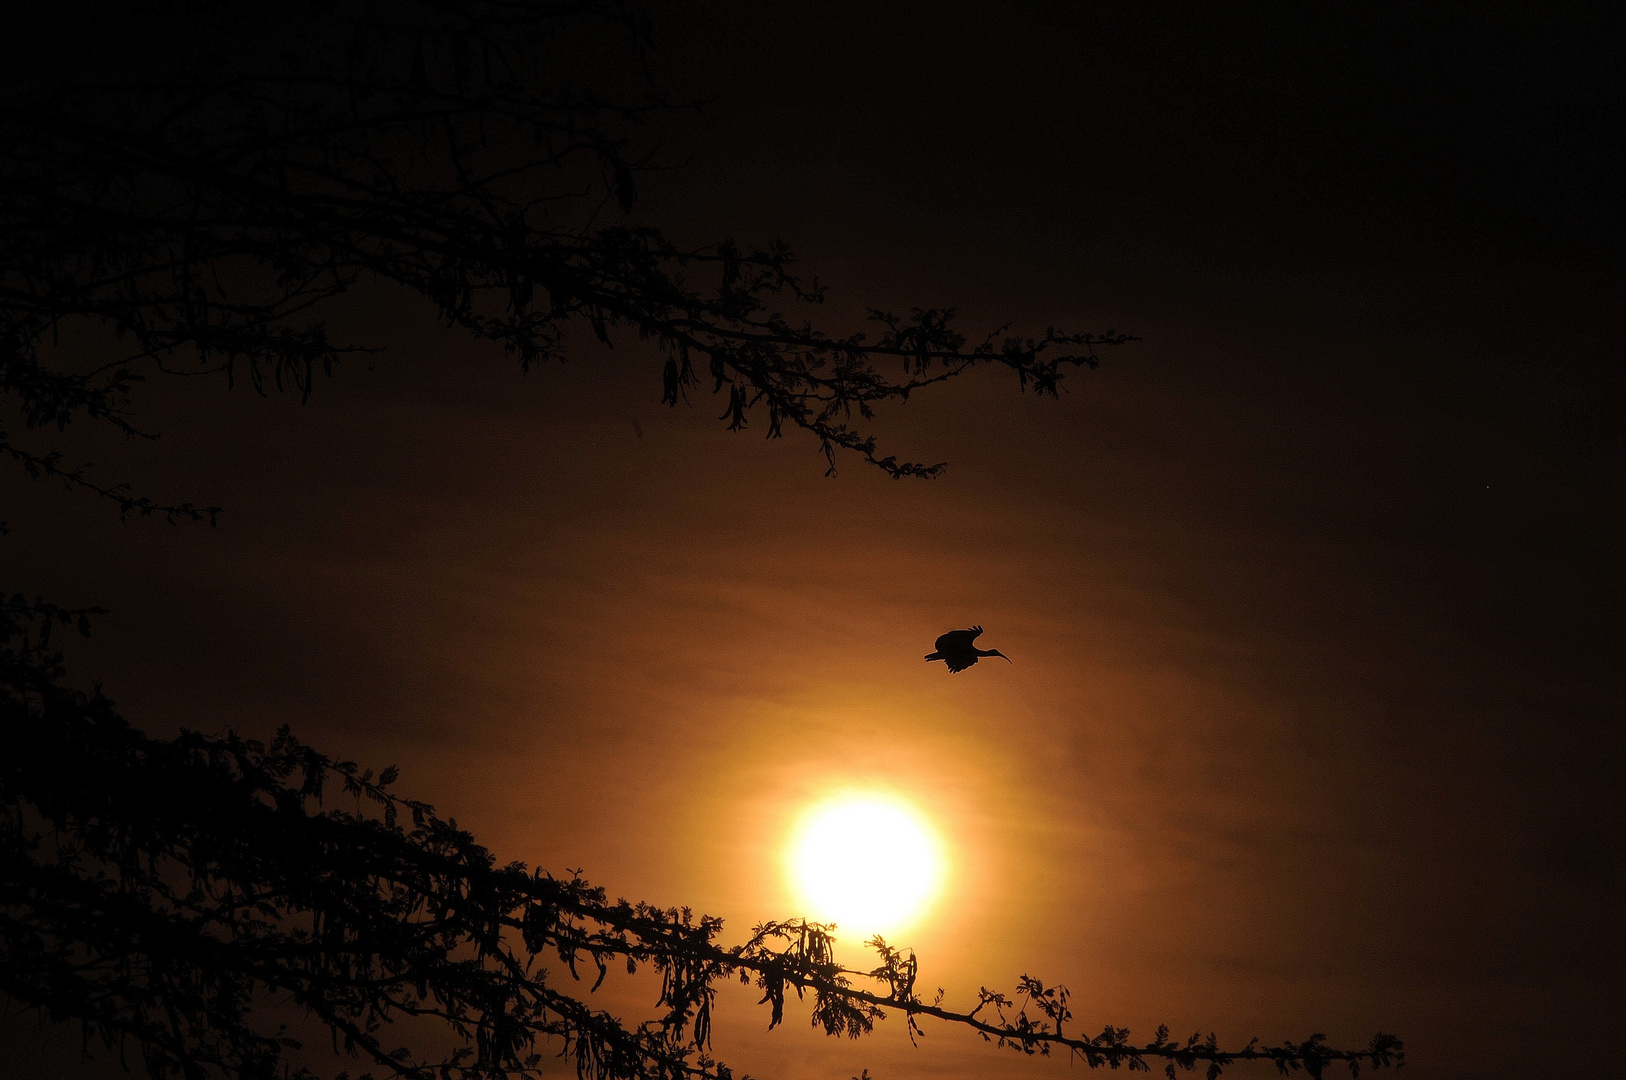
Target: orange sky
[
  {"x": 1261, "y": 765},
  {"x": 1311, "y": 598}
]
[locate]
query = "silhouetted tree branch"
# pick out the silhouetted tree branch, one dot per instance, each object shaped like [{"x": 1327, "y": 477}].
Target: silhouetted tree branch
[
  {"x": 160, "y": 892},
  {"x": 211, "y": 217}
]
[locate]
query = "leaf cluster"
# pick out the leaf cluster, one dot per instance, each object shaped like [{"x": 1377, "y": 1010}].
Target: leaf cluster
[{"x": 211, "y": 215}]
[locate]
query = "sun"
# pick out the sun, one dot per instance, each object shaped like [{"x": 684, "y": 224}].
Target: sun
[{"x": 868, "y": 862}]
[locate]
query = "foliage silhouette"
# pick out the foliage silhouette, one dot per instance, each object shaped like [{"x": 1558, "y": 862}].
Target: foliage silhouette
[
  {"x": 207, "y": 219},
  {"x": 210, "y": 219},
  {"x": 159, "y": 891}
]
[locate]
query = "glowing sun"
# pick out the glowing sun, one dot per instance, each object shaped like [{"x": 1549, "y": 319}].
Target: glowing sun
[{"x": 868, "y": 862}]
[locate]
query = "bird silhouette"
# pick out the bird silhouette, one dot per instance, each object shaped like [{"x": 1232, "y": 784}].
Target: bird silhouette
[{"x": 958, "y": 649}]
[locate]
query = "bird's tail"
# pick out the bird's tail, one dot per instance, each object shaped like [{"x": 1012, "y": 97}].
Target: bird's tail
[{"x": 934, "y": 656}]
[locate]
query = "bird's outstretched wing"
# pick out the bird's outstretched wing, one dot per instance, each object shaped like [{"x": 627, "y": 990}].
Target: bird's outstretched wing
[
  {"x": 960, "y": 663},
  {"x": 958, "y": 640}
]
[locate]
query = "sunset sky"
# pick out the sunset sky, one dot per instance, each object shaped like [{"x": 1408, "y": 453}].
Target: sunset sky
[{"x": 1314, "y": 595}]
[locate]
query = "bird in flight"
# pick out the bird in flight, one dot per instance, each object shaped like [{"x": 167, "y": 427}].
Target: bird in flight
[{"x": 958, "y": 649}]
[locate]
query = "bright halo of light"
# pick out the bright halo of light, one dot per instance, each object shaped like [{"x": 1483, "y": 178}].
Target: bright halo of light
[{"x": 868, "y": 862}]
